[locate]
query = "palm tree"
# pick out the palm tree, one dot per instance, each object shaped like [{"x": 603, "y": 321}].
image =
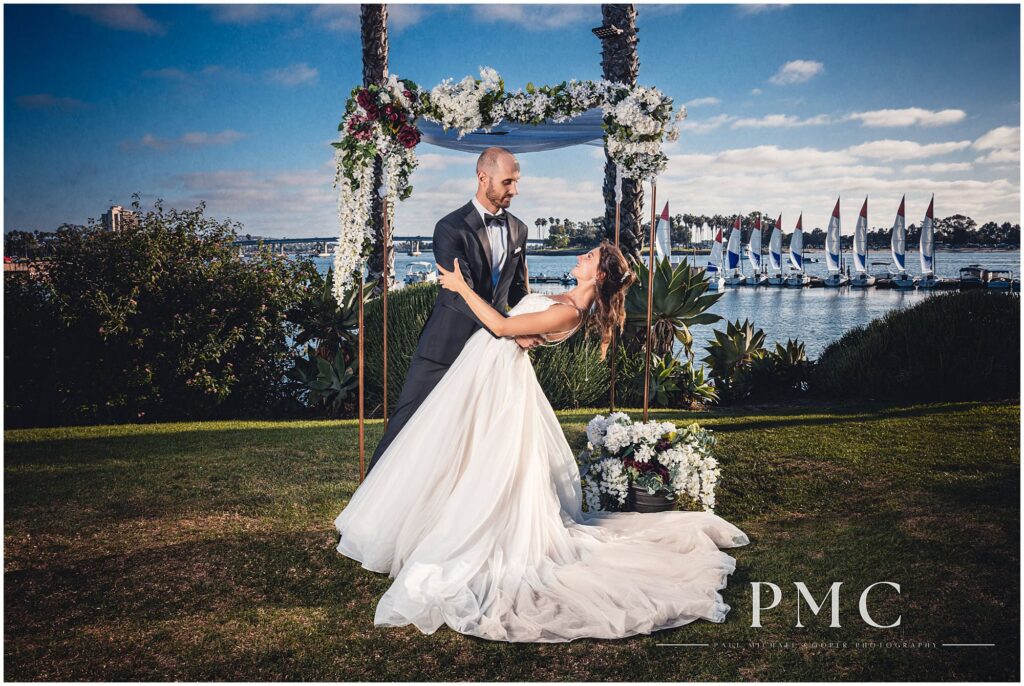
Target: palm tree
[
  {"x": 540, "y": 223},
  {"x": 620, "y": 63},
  {"x": 373, "y": 21}
]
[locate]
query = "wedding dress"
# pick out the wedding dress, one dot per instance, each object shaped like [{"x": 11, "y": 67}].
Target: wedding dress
[{"x": 475, "y": 511}]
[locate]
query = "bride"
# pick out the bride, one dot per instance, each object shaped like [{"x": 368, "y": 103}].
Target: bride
[{"x": 475, "y": 509}]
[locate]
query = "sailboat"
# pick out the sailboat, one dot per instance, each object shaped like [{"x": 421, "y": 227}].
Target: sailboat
[
  {"x": 663, "y": 237},
  {"x": 860, "y": 251},
  {"x": 928, "y": 279},
  {"x": 797, "y": 277},
  {"x": 732, "y": 255},
  {"x": 775, "y": 255},
  {"x": 757, "y": 278},
  {"x": 713, "y": 272},
  {"x": 414, "y": 249},
  {"x": 901, "y": 278},
  {"x": 834, "y": 251}
]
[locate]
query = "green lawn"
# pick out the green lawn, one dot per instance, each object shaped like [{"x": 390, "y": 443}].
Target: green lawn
[{"x": 205, "y": 551}]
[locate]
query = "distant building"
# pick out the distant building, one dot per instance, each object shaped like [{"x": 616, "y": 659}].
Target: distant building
[{"x": 117, "y": 218}]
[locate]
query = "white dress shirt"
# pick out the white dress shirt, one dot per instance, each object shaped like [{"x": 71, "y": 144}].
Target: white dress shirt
[{"x": 497, "y": 236}]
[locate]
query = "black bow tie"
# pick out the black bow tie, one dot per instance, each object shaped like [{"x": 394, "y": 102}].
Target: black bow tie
[{"x": 500, "y": 218}]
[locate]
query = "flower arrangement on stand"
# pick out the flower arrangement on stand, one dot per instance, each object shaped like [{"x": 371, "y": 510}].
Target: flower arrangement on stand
[
  {"x": 647, "y": 466},
  {"x": 380, "y": 121}
]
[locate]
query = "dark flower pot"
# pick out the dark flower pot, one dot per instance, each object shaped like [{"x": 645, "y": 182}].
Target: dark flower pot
[{"x": 641, "y": 501}]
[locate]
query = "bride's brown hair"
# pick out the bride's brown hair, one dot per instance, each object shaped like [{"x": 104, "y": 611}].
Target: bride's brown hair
[{"x": 614, "y": 277}]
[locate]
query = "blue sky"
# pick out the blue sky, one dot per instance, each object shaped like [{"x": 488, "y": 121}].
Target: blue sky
[{"x": 790, "y": 106}]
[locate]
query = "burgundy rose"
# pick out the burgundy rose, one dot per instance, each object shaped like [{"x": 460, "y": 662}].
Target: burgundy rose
[
  {"x": 408, "y": 137},
  {"x": 372, "y": 112},
  {"x": 388, "y": 109},
  {"x": 409, "y": 95},
  {"x": 393, "y": 116},
  {"x": 364, "y": 99}
]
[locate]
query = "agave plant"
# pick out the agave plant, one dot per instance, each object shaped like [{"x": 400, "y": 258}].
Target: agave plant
[
  {"x": 680, "y": 301},
  {"x": 693, "y": 387},
  {"x": 664, "y": 379},
  {"x": 674, "y": 383},
  {"x": 321, "y": 319},
  {"x": 328, "y": 384},
  {"x": 732, "y": 355},
  {"x": 783, "y": 369}
]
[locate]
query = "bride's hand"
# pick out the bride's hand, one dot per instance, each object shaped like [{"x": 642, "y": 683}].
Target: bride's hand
[{"x": 451, "y": 280}]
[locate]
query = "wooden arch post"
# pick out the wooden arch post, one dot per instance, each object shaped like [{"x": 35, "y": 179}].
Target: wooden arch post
[
  {"x": 650, "y": 298},
  {"x": 615, "y": 338}
]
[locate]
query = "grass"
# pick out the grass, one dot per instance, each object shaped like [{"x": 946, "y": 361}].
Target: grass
[{"x": 205, "y": 551}]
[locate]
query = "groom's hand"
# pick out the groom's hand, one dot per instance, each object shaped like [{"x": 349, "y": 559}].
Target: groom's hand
[{"x": 531, "y": 341}]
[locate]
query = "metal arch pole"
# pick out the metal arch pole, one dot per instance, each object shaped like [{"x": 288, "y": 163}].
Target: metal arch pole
[
  {"x": 650, "y": 299},
  {"x": 362, "y": 418},
  {"x": 384, "y": 305},
  {"x": 615, "y": 338}
]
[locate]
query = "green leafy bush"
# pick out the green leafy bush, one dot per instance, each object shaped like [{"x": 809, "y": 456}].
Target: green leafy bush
[
  {"x": 961, "y": 345},
  {"x": 164, "y": 320}
]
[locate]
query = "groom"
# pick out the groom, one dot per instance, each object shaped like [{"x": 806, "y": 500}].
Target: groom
[{"x": 491, "y": 246}]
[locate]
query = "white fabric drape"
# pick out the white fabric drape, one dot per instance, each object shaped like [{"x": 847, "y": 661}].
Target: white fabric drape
[{"x": 514, "y": 137}]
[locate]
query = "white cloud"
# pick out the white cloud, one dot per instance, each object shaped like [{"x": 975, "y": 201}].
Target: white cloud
[
  {"x": 752, "y": 9},
  {"x": 796, "y": 71},
  {"x": 1002, "y": 137},
  {"x": 191, "y": 139},
  {"x": 248, "y": 14},
  {"x": 701, "y": 102},
  {"x": 537, "y": 17},
  {"x": 436, "y": 162},
  {"x": 48, "y": 101},
  {"x": 780, "y": 121},
  {"x": 755, "y": 91},
  {"x": 1002, "y": 142},
  {"x": 401, "y": 17},
  {"x": 336, "y": 17},
  {"x": 293, "y": 75},
  {"x": 121, "y": 17},
  {"x": 905, "y": 150},
  {"x": 345, "y": 17},
  {"x": 910, "y": 116},
  {"x": 938, "y": 168},
  {"x": 698, "y": 126},
  {"x": 266, "y": 202}
]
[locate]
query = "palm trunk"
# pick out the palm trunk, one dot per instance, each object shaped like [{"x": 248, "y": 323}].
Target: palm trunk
[
  {"x": 620, "y": 63},
  {"x": 374, "y": 25}
]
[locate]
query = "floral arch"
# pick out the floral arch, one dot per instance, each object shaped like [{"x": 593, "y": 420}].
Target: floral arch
[{"x": 382, "y": 121}]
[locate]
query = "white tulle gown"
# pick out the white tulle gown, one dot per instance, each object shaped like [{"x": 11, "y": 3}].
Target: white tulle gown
[{"x": 475, "y": 511}]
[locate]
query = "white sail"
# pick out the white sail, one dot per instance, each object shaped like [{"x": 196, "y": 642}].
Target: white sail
[
  {"x": 754, "y": 247},
  {"x": 832, "y": 238},
  {"x": 796, "y": 244},
  {"x": 775, "y": 247},
  {"x": 899, "y": 238},
  {"x": 733, "y": 249},
  {"x": 928, "y": 239},
  {"x": 860, "y": 240},
  {"x": 715, "y": 258},
  {"x": 705, "y": 233},
  {"x": 663, "y": 235}
]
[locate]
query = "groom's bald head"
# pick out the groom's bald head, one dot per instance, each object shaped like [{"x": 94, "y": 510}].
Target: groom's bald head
[
  {"x": 497, "y": 173},
  {"x": 493, "y": 158}
]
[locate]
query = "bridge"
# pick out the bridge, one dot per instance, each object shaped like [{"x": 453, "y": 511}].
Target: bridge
[{"x": 334, "y": 239}]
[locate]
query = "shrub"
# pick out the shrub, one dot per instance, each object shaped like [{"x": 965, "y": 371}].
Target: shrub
[
  {"x": 951, "y": 346},
  {"x": 164, "y": 320}
]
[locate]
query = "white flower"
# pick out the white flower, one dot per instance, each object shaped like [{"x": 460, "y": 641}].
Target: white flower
[{"x": 617, "y": 437}]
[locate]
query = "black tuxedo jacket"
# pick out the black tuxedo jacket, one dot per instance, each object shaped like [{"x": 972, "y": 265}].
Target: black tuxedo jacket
[{"x": 462, "y": 234}]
